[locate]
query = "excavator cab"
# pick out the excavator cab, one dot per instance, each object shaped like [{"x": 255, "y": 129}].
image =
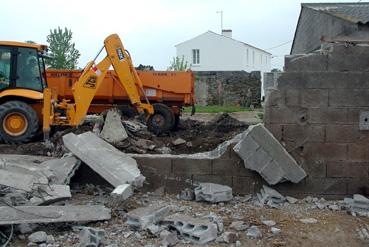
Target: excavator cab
[{"x": 21, "y": 67}]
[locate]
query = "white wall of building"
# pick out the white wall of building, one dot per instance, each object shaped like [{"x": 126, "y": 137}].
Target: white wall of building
[{"x": 220, "y": 53}]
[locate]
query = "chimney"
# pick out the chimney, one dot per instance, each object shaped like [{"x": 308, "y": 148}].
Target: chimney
[{"x": 227, "y": 33}]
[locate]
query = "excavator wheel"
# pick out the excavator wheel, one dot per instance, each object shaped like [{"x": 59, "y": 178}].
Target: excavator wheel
[
  {"x": 162, "y": 120},
  {"x": 18, "y": 122}
]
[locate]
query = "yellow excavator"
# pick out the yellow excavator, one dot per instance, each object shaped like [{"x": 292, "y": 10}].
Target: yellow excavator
[{"x": 25, "y": 99}]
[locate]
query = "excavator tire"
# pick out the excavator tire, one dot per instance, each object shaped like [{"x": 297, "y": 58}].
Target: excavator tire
[
  {"x": 18, "y": 122},
  {"x": 162, "y": 120}
]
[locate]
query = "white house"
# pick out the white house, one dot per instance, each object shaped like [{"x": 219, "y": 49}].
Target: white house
[{"x": 214, "y": 52}]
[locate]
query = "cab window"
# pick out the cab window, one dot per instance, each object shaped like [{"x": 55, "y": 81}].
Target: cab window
[
  {"x": 5, "y": 62},
  {"x": 28, "y": 70}
]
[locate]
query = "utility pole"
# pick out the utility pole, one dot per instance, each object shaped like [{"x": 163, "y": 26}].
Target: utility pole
[{"x": 221, "y": 20}]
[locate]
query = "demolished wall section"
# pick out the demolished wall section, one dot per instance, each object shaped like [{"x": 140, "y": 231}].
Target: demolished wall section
[{"x": 314, "y": 108}]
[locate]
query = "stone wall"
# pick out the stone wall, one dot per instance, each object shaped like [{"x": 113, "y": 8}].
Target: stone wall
[
  {"x": 314, "y": 109},
  {"x": 227, "y": 88}
]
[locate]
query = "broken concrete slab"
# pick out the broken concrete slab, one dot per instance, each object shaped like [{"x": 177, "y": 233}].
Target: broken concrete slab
[
  {"x": 113, "y": 165},
  {"x": 122, "y": 192},
  {"x": 63, "y": 169},
  {"x": 359, "y": 204},
  {"x": 262, "y": 152},
  {"x": 17, "y": 180},
  {"x": 270, "y": 197},
  {"x": 113, "y": 130},
  {"x": 198, "y": 231},
  {"x": 52, "y": 214},
  {"x": 141, "y": 218},
  {"x": 214, "y": 193},
  {"x": 52, "y": 193}
]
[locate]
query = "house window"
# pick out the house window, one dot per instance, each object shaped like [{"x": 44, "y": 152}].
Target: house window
[
  {"x": 195, "y": 56},
  {"x": 247, "y": 56}
]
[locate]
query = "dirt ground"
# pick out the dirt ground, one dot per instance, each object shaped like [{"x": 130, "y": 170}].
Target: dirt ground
[
  {"x": 198, "y": 136},
  {"x": 334, "y": 228}
]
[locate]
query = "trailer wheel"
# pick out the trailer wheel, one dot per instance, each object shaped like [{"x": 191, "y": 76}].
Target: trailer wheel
[
  {"x": 18, "y": 122},
  {"x": 162, "y": 120}
]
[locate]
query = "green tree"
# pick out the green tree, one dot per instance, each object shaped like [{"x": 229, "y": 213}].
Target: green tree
[
  {"x": 62, "y": 49},
  {"x": 178, "y": 64}
]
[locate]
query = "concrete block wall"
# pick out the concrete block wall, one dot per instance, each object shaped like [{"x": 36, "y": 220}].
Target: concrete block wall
[{"x": 314, "y": 109}]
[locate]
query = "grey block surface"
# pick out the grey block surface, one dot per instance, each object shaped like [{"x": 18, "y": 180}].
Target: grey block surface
[
  {"x": 17, "y": 180},
  {"x": 141, "y": 218},
  {"x": 270, "y": 159},
  {"x": 52, "y": 214},
  {"x": 113, "y": 130},
  {"x": 52, "y": 193},
  {"x": 110, "y": 163},
  {"x": 63, "y": 169},
  {"x": 214, "y": 193}
]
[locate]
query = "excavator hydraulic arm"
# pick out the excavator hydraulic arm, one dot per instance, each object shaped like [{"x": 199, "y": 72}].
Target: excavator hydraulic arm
[{"x": 89, "y": 82}]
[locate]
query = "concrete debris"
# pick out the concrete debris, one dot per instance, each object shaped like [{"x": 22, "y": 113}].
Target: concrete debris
[
  {"x": 187, "y": 195},
  {"x": 168, "y": 238},
  {"x": 309, "y": 221},
  {"x": 275, "y": 230},
  {"x": 262, "y": 152},
  {"x": 291, "y": 199},
  {"x": 52, "y": 214},
  {"x": 17, "y": 180},
  {"x": 359, "y": 205},
  {"x": 50, "y": 239},
  {"x": 50, "y": 194},
  {"x": 213, "y": 193},
  {"x": 26, "y": 228},
  {"x": 216, "y": 220},
  {"x": 164, "y": 150},
  {"x": 254, "y": 233},
  {"x": 63, "y": 169},
  {"x": 229, "y": 237},
  {"x": 363, "y": 233},
  {"x": 268, "y": 222},
  {"x": 38, "y": 237},
  {"x": 198, "y": 231},
  {"x": 133, "y": 126},
  {"x": 91, "y": 237},
  {"x": 141, "y": 218},
  {"x": 270, "y": 197},
  {"x": 145, "y": 144},
  {"x": 113, "y": 130},
  {"x": 15, "y": 199},
  {"x": 122, "y": 192},
  {"x": 114, "y": 166},
  {"x": 239, "y": 225},
  {"x": 178, "y": 141}
]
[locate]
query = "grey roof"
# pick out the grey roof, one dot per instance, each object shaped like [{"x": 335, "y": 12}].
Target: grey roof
[{"x": 351, "y": 12}]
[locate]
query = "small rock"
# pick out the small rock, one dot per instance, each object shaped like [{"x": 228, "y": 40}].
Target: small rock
[
  {"x": 189, "y": 144},
  {"x": 164, "y": 150},
  {"x": 275, "y": 230},
  {"x": 334, "y": 207},
  {"x": 269, "y": 222},
  {"x": 291, "y": 199},
  {"x": 230, "y": 237},
  {"x": 238, "y": 243},
  {"x": 254, "y": 233},
  {"x": 89, "y": 236},
  {"x": 50, "y": 239},
  {"x": 309, "y": 221},
  {"x": 178, "y": 141},
  {"x": 239, "y": 225},
  {"x": 187, "y": 195},
  {"x": 37, "y": 237},
  {"x": 168, "y": 238}
]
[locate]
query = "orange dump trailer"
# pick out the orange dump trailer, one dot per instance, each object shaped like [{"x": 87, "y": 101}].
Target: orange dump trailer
[{"x": 174, "y": 89}]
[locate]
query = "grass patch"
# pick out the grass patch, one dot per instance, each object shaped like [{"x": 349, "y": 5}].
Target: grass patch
[{"x": 217, "y": 108}]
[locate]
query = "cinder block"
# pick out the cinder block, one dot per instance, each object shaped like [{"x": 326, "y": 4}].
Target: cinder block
[
  {"x": 247, "y": 185},
  {"x": 228, "y": 167},
  {"x": 143, "y": 217},
  {"x": 353, "y": 114},
  {"x": 358, "y": 152},
  {"x": 191, "y": 166},
  {"x": 212, "y": 192},
  {"x": 276, "y": 130},
  {"x": 329, "y": 186},
  {"x": 154, "y": 165},
  {"x": 338, "y": 80},
  {"x": 292, "y": 97},
  {"x": 291, "y": 80},
  {"x": 325, "y": 151},
  {"x": 339, "y": 62},
  {"x": 328, "y": 115},
  {"x": 315, "y": 168},
  {"x": 348, "y": 97},
  {"x": 217, "y": 179},
  {"x": 306, "y": 62},
  {"x": 348, "y": 169},
  {"x": 342, "y": 133},
  {"x": 286, "y": 115},
  {"x": 274, "y": 98},
  {"x": 314, "y": 98},
  {"x": 311, "y": 133},
  {"x": 357, "y": 186}
]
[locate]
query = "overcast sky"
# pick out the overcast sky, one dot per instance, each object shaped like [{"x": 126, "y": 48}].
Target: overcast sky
[{"x": 151, "y": 29}]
